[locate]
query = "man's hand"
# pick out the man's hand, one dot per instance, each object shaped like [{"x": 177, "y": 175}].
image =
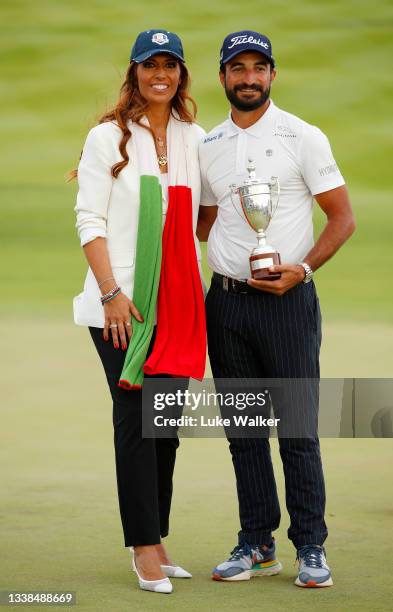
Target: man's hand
[{"x": 291, "y": 275}]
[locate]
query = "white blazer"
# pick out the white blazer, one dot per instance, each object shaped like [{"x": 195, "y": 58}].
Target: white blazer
[{"x": 109, "y": 208}]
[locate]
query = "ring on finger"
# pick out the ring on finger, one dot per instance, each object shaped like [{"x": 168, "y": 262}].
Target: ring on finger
[
  {"x": 113, "y": 325},
  {"x": 128, "y": 324}
]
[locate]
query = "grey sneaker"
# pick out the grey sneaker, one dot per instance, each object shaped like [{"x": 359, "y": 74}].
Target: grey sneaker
[
  {"x": 313, "y": 569},
  {"x": 248, "y": 561}
]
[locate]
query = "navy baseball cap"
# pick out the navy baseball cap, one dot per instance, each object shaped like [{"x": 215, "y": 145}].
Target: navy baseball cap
[
  {"x": 245, "y": 40},
  {"x": 152, "y": 42}
]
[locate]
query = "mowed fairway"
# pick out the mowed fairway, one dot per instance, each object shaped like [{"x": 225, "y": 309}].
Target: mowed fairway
[
  {"x": 60, "y": 527},
  {"x": 63, "y": 63},
  {"x": 59, "y": 520}
]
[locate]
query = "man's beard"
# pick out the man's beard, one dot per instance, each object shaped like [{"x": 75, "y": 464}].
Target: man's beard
[{"x": 244, "y": 105}]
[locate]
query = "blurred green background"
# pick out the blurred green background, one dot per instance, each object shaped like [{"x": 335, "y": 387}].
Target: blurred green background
[{"x": 62, "y": 64}]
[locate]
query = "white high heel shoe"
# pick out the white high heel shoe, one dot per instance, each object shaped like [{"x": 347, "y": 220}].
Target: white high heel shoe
[
  {"x": 175, "y": 571},
  {"x": 163, "y": 585}
]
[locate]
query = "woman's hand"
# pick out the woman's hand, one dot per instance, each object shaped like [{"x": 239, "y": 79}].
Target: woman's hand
[{"x": 118, "y": 313}]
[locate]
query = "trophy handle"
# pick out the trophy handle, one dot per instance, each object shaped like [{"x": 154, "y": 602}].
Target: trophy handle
[
  {"x": 275, "y": 193},
  {"x": 233, "y": 190}
]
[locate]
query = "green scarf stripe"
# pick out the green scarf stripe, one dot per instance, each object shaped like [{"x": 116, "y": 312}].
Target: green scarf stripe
[{"x": 146, "y": 280}]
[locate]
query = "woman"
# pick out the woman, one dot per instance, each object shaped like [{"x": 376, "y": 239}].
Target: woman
[{"x": 140, "y": 274}]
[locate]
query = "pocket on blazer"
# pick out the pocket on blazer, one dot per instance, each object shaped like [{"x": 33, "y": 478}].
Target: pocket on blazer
[{"x": 122, "y": 259}]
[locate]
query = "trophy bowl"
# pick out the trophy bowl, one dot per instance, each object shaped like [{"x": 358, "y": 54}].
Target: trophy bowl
[{"x": 259, "y": 201}]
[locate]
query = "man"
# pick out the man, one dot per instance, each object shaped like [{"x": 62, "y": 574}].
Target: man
[{"x": 269, "y": 328}]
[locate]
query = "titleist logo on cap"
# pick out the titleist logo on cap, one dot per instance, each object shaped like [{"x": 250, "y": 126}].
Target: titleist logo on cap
[{"x": 242, "y": 40}]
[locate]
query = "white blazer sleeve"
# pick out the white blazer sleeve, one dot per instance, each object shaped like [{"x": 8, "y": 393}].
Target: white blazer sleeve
[{"x": 95, "y": 184}]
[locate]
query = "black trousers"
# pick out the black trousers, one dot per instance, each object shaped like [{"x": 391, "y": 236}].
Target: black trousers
[
  {"x": 264, "y": 336},
  {"x": 144, "y": 466}
]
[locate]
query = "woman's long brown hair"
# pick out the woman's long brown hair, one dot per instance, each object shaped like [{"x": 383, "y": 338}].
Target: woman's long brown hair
[{"x": 132, "y": 105}]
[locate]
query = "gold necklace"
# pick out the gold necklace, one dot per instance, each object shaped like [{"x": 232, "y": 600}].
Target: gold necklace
[{"x": 162, "y": 157}]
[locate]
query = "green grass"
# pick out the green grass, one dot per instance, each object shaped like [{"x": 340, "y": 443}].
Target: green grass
[
  {"x": 63, "y": 63},
  {"x": 59, "y": 521},
  {"x": 46, "y": 266}
]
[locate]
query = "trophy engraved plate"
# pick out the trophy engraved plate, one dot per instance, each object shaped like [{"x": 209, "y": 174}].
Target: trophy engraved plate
[{"x": 259, "y": 201}]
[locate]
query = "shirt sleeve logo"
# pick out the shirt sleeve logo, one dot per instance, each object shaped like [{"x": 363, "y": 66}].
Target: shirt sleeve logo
[{"x": 328, "y": 170}]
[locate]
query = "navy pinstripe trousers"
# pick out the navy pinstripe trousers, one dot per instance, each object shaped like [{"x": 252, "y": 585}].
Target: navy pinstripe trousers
[{"x": 260, "y": 335}]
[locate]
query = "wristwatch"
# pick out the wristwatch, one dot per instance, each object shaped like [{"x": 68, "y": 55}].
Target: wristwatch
[{"x": 308, "y": 271}]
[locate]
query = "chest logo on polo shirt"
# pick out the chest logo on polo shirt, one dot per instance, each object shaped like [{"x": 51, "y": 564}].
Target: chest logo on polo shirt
[
  {"x": 269, "y": 152},
  {"x": 284, "y": 131},
  {"x": 212, "y": 138}
]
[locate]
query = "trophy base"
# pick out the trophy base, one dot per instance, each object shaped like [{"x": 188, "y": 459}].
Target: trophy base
[{"x": 260, "y": 264}]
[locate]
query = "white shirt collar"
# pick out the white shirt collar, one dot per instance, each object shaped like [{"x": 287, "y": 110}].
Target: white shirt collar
[{"x": 256, "y": 128}]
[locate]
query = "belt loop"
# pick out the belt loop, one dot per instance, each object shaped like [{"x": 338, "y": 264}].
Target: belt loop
[{"x": 225, "y": 283}]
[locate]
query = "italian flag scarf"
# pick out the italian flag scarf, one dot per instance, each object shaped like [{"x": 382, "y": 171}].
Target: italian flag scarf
[{"x": 167, "y": 279}]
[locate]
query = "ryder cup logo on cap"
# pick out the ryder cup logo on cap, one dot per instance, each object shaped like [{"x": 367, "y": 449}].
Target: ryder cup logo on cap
[
  {"x": 160, "y": 38},
  {"x": 245, "y": 40},
  {"x": 152, "y": 42}
]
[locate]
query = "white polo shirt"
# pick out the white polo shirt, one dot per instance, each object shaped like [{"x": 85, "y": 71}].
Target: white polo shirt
[{"x": 281, "y": 145}]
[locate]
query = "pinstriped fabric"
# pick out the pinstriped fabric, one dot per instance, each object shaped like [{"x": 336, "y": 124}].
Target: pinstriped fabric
[{"x": 264, "y": 336}]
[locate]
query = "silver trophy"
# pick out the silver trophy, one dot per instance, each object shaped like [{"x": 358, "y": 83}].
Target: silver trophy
[{"x": 259, "y": 203}]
